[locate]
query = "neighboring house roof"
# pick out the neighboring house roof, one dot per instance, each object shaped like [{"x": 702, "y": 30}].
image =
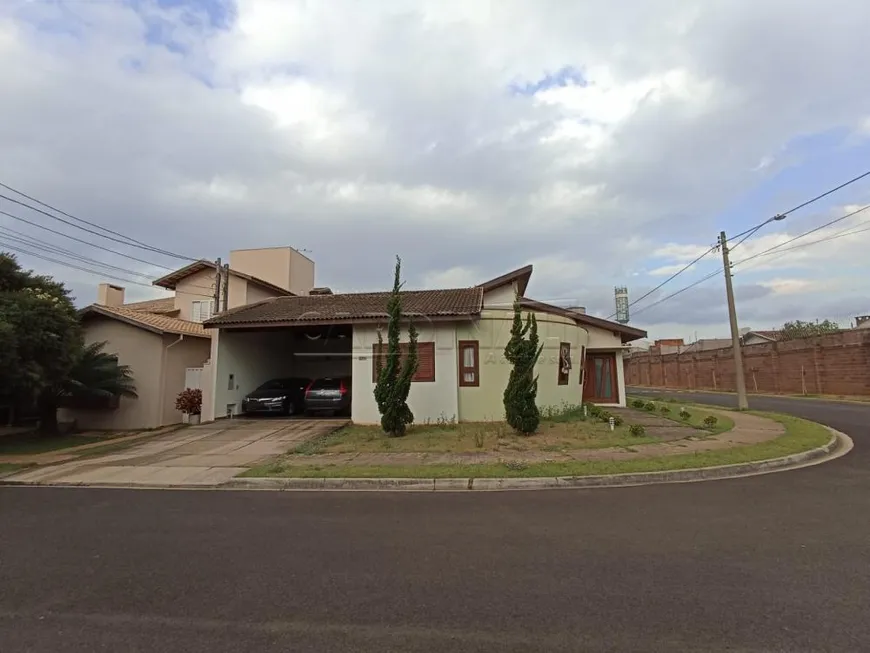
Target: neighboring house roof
[
  {"x": 349, "y": 308},
  {"x": 172, "y": 279},
  {"x": 148, "y": 321},
  {"x": 626, "y": 333},
  {"x": 162, "y": 306},
  {"x": 520, "y": 275}
]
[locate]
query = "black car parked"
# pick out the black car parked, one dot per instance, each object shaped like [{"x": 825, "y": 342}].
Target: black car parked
[
  {"x": 277, "y": 397},
  {"x": 329, "y": 395}
]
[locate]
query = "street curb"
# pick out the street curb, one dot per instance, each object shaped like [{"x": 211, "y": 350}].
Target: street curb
[{"x": 839, "y": 445}]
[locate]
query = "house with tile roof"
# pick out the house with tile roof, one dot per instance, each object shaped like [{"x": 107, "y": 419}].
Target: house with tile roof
[
  {"x": 462, "y": 371},
  {"x": 163, "y": 340}
]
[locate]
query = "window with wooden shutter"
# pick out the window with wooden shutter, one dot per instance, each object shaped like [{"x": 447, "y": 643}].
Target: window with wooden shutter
[
  {"x": 425, "y": 360},
  {"x": 582, "y": 360},
  {"x": 469, "y": 363},
  {"x": 200, "y": 311},
  {"x": 564, "y": 362}
]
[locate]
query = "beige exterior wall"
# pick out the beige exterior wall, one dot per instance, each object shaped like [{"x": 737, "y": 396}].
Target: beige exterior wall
[
  {"x": 238, "y": 291},
  {"x": 110, "y": 295},
  {"x": 301, "y": 273},
  {"x": 282, "y": 266},
  {"x": 143, "y": 351},
  {"x": 430, "y": 401},
  {"x": 178, "y": 356},
  {"x": 194, "y": 288},
  {"x": 601, "y": 339},
  {"x": 492, "y": 332},
  {"x": 256, "y": 293},
  {"x": 271, "y": 264},
  {"x": 501, "y": 298}
]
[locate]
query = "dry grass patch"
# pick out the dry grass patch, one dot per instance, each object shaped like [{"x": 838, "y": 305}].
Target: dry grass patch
[{"x": 552, "y": 436}]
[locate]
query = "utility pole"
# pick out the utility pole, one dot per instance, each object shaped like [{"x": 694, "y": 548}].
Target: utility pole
[
  {"x": 226, "y": 286},
  {"x": 739, "y": 380},
  {"x": 217, "y": 287}
]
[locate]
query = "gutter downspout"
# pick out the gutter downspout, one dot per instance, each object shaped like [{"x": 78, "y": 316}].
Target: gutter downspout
[{"x": 163, "y": 377}]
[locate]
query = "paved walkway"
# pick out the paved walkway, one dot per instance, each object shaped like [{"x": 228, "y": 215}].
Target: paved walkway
[
  {"x": 199, "y": 455},
  {"x": 748, "y": 429},
  {"x": 71, "y": 453}
]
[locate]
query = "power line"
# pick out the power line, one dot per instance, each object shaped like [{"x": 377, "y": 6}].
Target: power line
[
  {"x": 29, "y": 241},
  {"x": 132, "y": 241},
  {"x": 668, "y": 280},
  {"x": 841, "y": 234},
  {"x": 681, "y": 291},
  {"x": 90, "y": 231},
  {"x": 825, "y": 194},
  {"x": 97, "y": 273},
  {"x": 806, "y": 233},
  {"x": 70, "y": 265},
  {"x": 779, "y": 216},
  {"x": 850, "y": 231},
  {"x": 85, "y": 242}
]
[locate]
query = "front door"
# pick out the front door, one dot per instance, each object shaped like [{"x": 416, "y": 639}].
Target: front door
[{"x": 600, "y": 385}]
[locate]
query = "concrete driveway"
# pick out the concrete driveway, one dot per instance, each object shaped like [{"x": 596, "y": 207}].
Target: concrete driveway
[{"x": 198, "y": 455}]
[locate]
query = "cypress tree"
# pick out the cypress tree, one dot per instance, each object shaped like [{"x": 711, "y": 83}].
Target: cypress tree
[
  {"x": 394, "y": 376},
  {"x": 523, "y": 352}
]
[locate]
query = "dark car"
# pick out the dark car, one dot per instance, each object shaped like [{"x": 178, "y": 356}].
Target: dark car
[
  {"x": 329, "y": 395},
  {"x": 276, "y": 397}
]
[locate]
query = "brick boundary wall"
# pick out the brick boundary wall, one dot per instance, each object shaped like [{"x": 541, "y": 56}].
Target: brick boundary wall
[{"x": 833, "y": 364}]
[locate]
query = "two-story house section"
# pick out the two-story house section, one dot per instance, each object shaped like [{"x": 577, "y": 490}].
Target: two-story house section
[{"x": 162, "y": 340}]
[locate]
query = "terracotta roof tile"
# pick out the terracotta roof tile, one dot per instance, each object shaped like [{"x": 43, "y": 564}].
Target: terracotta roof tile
[
  {"x": 150, "y": 321},
  {"x": 352, "y": 307},
  {"x": 164, "y": 305}
]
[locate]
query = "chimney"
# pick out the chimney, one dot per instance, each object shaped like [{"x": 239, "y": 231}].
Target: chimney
[
  {"x": 862, "y": 322},
  {"x": 578, "y": 309},
  {"x": 320, "y": 291},
  {"x": 109, "y": 295}
]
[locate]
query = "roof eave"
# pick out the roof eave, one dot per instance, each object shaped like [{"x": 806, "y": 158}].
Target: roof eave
[
  {"x": 214, "y": 323},
  {"x": 521, "y": 276}
]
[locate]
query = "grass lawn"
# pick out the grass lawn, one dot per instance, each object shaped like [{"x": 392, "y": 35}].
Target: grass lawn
[
  {"x": 10, "y": 468},
  {"x": 697, "y": 414},
  {"x": 23, "y": 444},
  {"x": 800, "y": 435},
  {"x": 553, "y": 435}
]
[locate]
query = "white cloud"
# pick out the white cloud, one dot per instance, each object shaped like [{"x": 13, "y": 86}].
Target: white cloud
[
  {"x": 361, "y": 130},
  {"x": 455, "y": 277}
]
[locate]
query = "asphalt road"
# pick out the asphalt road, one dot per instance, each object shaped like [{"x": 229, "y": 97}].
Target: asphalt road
[{"x": 770, "y": 563}]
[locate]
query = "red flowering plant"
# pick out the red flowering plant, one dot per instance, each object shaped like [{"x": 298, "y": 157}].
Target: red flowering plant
[{"x": 189, "y": 401}]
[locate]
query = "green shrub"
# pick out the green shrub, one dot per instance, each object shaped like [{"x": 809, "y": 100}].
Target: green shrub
[
  {"x": 710, "y": 421},
  {"x": 637, "y": 403},
  {"x": 685, "y": 414},
  {"x": 593, "y": 410},
  {"x": 650, "y": 406},
  {"x": 618, "y": 421},
  {"x": 604, "y": 416},
  {"x": 637, "y": 430},
  {"x": 664, "y": 410}
]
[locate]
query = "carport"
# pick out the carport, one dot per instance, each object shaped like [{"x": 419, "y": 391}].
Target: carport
[{"x": 248, "y": 357}]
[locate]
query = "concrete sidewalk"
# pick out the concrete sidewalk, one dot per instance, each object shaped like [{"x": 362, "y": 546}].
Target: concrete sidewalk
[{"x": 203, "y": 455}]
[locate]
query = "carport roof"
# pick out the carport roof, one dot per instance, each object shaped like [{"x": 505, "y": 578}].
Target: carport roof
[{"x": 350, "y": 308}]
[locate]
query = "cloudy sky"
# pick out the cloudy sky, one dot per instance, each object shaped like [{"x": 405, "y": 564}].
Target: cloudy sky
[{"x": 607, "y": 143}]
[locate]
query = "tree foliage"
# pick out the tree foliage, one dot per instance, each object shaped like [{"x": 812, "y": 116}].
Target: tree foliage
[
  {"x": 800, "y": 329},
  {"x": 94, "y": 376},
  {"x": 394, "y": 376},
  {"x": 39, "y": 332},
  {"x": 522, "y": 351}
]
